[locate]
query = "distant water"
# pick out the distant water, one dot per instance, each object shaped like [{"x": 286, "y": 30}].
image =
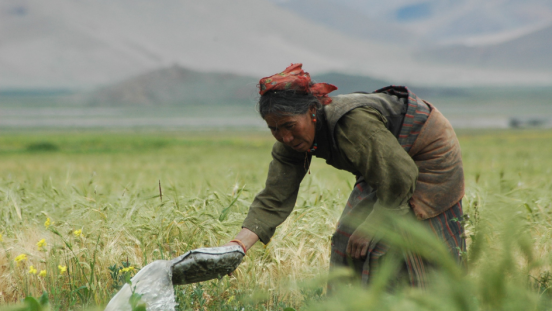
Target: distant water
[
  {"x": 154, "y": 283},
  {"x": 468, "y": 112}
]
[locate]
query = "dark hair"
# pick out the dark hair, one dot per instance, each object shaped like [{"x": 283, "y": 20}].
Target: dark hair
[{"x": 286, "y": 102}]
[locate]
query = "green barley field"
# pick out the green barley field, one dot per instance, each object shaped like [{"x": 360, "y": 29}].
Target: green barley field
[{"x": 82, "y": 211}]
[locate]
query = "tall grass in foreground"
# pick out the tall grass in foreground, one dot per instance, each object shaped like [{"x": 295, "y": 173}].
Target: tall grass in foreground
[{"x": 87, "y": 212}]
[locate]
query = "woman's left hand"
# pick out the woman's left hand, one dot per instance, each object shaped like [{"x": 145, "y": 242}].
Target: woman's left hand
[{"x": 358, "y": 244}]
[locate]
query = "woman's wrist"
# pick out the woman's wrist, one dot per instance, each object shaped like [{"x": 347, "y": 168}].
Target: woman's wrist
[
  {"x": 240, "y": 243},
  {"x": 245, "y": 238}
]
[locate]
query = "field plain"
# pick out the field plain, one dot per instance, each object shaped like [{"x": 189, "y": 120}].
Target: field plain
[{"x": 93, "y": 198}]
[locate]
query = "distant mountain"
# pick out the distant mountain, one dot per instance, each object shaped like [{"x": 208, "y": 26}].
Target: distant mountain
[
  {"x": 465, "y": 21},
  {"x": 350, "y": 21},
  {"x": 431, "y": 21},
  {"x": 350, "y": 83},
  {"x": 532, "y": 51},
  {"x": 175, "y": 86}
]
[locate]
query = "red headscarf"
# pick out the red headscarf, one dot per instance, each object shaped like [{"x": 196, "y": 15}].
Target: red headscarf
[{"x": 294, "y": 78}]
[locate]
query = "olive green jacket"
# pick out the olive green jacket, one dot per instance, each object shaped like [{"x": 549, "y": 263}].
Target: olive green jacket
[{"x": 365, "y": 148}]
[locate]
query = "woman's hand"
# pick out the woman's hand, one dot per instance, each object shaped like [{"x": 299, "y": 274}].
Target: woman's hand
[
  {"x": 247, "y": 237},
  {"x": 358, "y": 243}
]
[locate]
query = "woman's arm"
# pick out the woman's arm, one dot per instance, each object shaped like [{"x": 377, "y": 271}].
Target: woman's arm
[{"x": 276, "y": 201}]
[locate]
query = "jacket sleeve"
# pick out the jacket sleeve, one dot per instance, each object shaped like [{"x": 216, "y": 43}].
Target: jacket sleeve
[
  {"x": 377, "y": 155},
  {"x": 276, "y": 201}
]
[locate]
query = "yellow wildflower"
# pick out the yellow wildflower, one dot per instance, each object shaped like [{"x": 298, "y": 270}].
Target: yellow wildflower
[
  {"x": 77, "y": 233},
  {"x": 32, "y": 270},
  {"x": 20, "y": 258},
  {"x": 231, "y": 299},
  {"x": 129, "y": 269},
  {"x": 47, "y": 223},
  {"x": 41, "y": 244},
  {"x": 42, "y": 273},
  {"x": 1, "y": 240},
  {"x": 62, "y": 269}
]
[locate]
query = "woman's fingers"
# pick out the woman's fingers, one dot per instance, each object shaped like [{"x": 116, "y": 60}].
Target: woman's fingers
[
  {"x": 358, "y": 251},
  {"x": 364, "y": 249},
  {"x": 352, "y": 247},
  {"x": 361, "y": 249}
]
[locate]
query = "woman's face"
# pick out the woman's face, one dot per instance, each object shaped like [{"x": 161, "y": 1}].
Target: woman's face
[{"x": 296, "y": 131}]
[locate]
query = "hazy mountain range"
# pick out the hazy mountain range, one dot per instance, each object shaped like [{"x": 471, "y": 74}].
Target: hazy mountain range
[
  {"x": 532, "y": 51},
  {"x": 178, "y": 86},
  {"x": 431, "y": 21},
  {"x": 84, "y": 44},
  {"x": 496, "y": 34}
]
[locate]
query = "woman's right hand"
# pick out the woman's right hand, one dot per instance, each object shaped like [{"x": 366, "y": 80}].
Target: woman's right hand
[{"x": 247, "y": 237}]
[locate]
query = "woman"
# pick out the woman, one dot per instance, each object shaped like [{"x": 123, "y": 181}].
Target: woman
[{"x": 403, "y": 152}]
